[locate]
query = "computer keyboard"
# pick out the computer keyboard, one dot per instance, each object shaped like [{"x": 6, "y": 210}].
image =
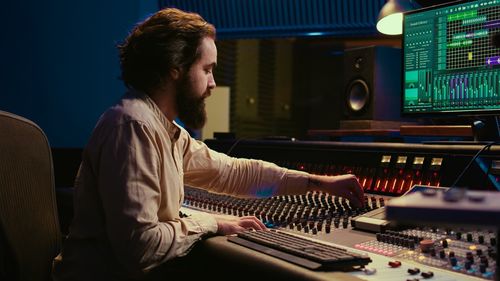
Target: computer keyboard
[{"x": 300, "y": 250}]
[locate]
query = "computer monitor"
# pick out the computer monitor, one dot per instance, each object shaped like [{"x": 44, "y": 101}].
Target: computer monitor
[{"x": 451, "y": 65}]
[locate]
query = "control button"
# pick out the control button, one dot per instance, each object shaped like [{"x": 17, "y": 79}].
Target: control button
[
  {"x": 454, "y": 194},
  {"x": 429, "y": 192},
  {"x": 442, "y": 254},
  {"x": 482, "y": 267},
  {"x": 468, "y": 265},
  {"x": 469, "y": 256},
  {"x": 394, "y": 264},
  {"x": 426, "y": 245},
  {"x": 427, "y": 275},
  {"x": 484, "y": 260},
  {"x": 414, "y": 271},
  {"x": 444, "y": 243},
  {"x": 433, "y": 252},
  {"x": 469, "y": 237},
  {"x": 480, "y": 239}
]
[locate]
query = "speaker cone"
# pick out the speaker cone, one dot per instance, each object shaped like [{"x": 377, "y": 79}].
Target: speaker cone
[{"x": 358, "y": 96}]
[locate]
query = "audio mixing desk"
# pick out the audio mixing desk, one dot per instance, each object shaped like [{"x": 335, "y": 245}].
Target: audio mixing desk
[
  {"x": 386, "y": 171},
  {"x": 449, "y": 254}
]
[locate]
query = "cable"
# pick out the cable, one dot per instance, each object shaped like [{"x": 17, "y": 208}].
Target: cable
[
  {"x": 487, "y": 146},
  {"x": 228, "y": 153}
]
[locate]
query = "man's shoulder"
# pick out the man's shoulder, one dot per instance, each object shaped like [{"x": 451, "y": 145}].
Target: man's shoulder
[{"x": 128, "y": 110}]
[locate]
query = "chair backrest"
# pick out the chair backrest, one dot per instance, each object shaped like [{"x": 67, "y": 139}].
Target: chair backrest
[{"x": 29, "y": 228}]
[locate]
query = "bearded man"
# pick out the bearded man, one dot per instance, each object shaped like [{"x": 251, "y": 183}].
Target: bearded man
[{"x": 130, "y": 185}]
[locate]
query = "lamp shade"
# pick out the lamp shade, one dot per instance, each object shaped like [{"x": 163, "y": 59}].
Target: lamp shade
[{"x": 390, "y": 18}]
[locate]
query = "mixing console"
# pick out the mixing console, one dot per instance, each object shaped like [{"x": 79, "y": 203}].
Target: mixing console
[
  {"x": 386, "y": 171},
  {"x": 313, "y": 212},
  {"x": 324, "y": 217}
]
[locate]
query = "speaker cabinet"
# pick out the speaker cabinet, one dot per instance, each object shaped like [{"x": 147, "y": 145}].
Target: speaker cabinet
[{"x": 372, "y": 84}]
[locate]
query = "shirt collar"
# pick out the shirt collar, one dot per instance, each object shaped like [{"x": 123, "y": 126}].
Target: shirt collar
[{"x": 172, "y": 128}]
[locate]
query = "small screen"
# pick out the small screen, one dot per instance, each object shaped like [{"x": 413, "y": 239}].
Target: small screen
[{"x": 450, "y": 64}]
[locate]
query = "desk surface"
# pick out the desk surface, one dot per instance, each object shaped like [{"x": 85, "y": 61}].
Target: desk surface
[{"x": 217, "y": 258}]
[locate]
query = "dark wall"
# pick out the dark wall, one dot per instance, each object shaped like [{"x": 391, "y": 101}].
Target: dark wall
[{"x": 59, "y": 64}]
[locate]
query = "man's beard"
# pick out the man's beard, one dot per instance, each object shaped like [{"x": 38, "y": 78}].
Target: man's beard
[{"x": 190, "y": 106}]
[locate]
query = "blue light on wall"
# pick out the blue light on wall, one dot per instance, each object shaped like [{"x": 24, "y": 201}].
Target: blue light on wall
[{"x": 60, "y": 65}]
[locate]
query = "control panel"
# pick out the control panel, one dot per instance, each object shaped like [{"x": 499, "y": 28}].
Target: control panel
[{"x": 386, "y": 171}]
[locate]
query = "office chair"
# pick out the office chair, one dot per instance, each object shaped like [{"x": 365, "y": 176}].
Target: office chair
[{"x": 30, "y": 236}]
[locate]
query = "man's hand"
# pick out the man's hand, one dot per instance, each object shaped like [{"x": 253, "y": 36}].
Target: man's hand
[
  {"x": 346, "y": 186},
  {"x": 231, "y": 225}
]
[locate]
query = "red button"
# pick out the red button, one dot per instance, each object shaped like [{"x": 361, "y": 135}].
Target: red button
[{"x": 394, "y": 264}]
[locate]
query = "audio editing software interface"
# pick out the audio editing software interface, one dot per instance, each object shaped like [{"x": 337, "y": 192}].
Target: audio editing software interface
[{"x": 450, "y": 63}]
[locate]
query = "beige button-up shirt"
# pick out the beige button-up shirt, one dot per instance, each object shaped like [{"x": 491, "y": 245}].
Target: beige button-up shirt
[{"x": 130, "y": 188}]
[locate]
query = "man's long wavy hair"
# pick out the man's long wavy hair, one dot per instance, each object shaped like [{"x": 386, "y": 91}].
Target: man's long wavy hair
[{"x": 167, "y": 40}]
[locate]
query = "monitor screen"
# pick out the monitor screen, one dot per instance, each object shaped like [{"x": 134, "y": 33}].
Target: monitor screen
[{"x": 450, "y": 63}]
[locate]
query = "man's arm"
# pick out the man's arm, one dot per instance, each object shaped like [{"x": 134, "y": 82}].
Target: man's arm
[
  {"x": 130, "y": 167},
  {"x": 247, "y": 177}
]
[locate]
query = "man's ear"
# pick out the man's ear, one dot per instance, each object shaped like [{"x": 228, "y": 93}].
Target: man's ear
[{"x": 175, "y": 73}]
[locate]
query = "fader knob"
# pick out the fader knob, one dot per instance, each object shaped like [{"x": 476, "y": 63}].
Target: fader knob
[
  {"x": 482, "y": 267},
  {"x": 468, "y": 265},
  {"x": 453, "y": 261},
  {"x": 484, "y": 260},
  {"x": 314, "y": 231},
  {"x": 480, "y": 239},
  {"x": 345, "y": 223},
  {"x": 442, "y": 254},
  {"x": 336, "y": 223},
  {"x": 469, "y": 256},
  {"x": 433, "y": 252},
  {"x": 469, "y": 237},
  {"x": 444, "y": 243}
]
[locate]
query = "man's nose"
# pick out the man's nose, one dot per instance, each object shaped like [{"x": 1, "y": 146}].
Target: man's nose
[{"x": 211, "y": 83}]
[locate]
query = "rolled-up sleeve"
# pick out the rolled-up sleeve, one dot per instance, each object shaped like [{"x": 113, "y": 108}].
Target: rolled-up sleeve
[
  {"x": 244, "y": 177},
  {"x": 130, "y": 169}
]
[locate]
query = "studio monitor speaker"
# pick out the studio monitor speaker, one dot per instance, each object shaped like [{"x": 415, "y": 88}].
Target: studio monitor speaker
[{"x": 372, "y": 84}]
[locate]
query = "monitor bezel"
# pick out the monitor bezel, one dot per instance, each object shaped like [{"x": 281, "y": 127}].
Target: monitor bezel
[{"x": 436, "y": 114}]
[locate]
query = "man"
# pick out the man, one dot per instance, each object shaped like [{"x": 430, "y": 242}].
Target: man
[{"x": 129, "y": 188}]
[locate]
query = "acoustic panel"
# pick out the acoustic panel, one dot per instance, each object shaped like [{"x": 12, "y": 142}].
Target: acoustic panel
[{"x": 284, "y": 18}]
